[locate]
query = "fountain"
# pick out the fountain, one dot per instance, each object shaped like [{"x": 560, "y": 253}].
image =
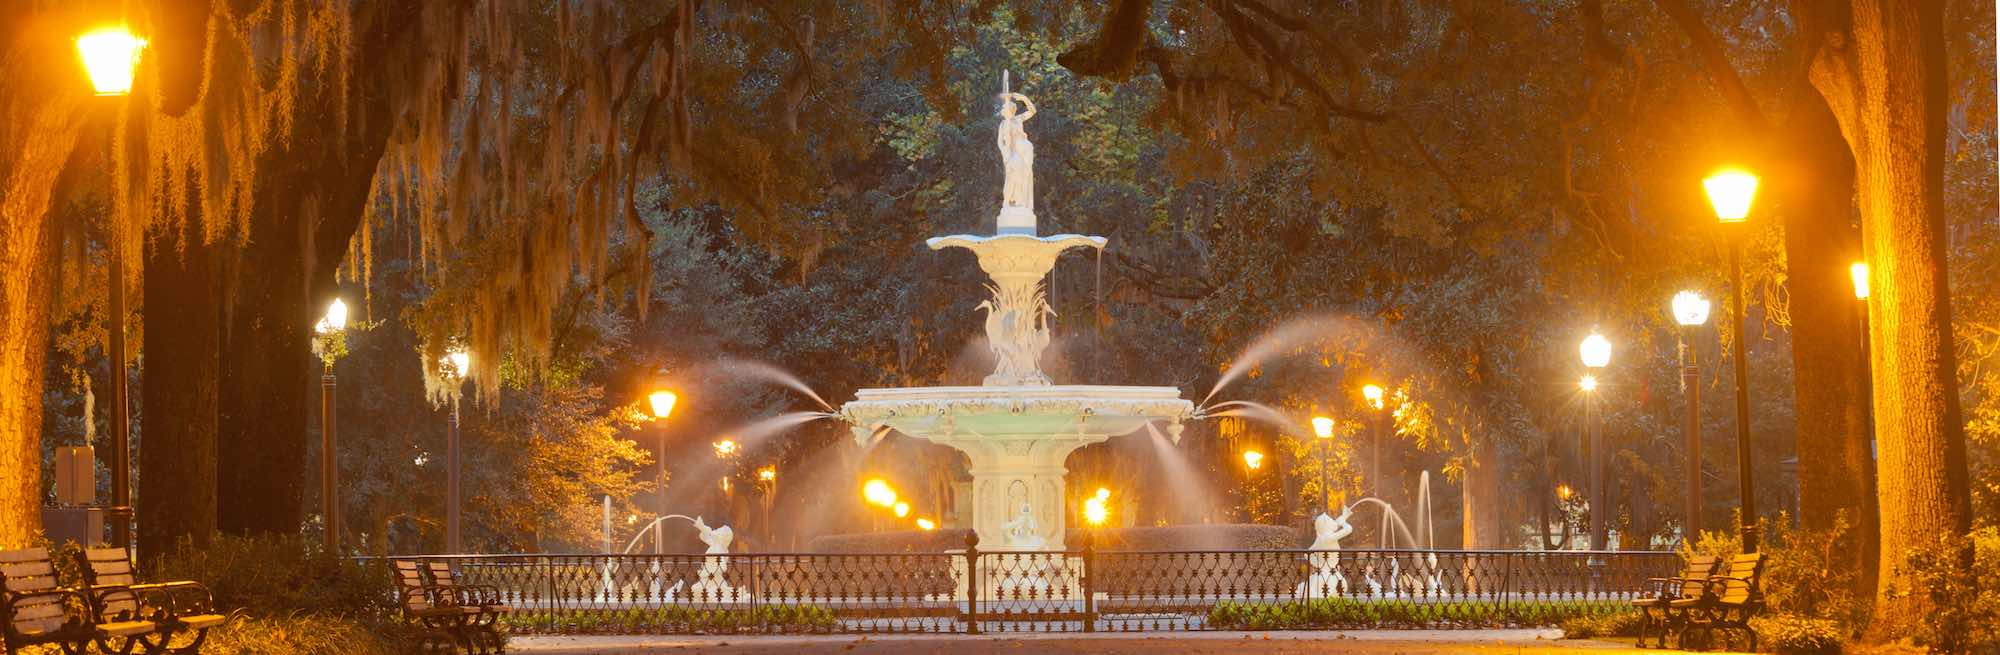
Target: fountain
[{"x": 1018, "y": 427}]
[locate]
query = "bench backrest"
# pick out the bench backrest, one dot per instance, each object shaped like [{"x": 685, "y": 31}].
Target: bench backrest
[
  {"x": 111, "y": 566},
  {"x": 1695, "y": 576},
  {"x": 410, "y": 585},
  {"x": 1746, "y": 566},
  {"x": 31, "y": 570}
]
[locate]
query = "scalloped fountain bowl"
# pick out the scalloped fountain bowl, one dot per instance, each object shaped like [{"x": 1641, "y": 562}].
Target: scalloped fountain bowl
[{"x": 1015, "y": 439}]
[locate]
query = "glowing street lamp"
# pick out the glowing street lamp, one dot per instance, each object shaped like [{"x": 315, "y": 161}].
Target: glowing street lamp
[
  {"x": 1253, "y": 459},
  {"x": 767, "y": 474},
  {"x": 110, "y": 54},
  {"x": 457, "y": 362},
  {"x": 660, "y": 403},
  {"x": 1691, "y": 312},
  {"x": 1372, "y": 394},
  {"x": 330, "y": 344},
  {"x": 1094, "y": 511},
  {"x": 1595, "y": 351},
  {"x": 1859, "y": 272},
  {"x": 902, "y": 509},
  {"x": 1731, "y": 192},
  {"x": 726, "y": 448},
  {"x": 1588, "y": 383},
  {"x": 877, "y": 492},
  {"x": 926, "y": 524},
  {"x": 1323, "y": 430}
]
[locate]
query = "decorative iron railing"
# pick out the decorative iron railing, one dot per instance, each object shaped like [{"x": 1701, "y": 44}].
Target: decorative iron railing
[{"x": 1072, "y": 591}]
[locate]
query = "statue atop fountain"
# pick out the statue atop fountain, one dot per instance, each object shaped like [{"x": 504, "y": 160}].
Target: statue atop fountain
[{"x": 1018, "y": 426}]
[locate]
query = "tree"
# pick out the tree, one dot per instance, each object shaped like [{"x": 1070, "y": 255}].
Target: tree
[{"x": 1883, "y": 74}]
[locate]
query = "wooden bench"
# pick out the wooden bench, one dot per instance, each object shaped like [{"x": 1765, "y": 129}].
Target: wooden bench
[
  {"x": 1727, "y": 601},
  {"x": 182, "y": 609},
  {"x": 438, "y": 621},
  {"x": 482, "y": 625},
  {"x": 39, "y": 611},
  {"x": 1654, "y": 606}
]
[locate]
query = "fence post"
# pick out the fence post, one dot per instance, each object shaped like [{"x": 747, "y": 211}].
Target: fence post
[
  {"x": 972, "y": 582},
  {"x": 1089, "y": 589}
]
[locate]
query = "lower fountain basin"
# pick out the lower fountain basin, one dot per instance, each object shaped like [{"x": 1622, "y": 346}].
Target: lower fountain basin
[{"x": 1015, "y": 412}]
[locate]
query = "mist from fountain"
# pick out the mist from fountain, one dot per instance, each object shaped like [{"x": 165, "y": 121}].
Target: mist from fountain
[
  {"x": 1188, "y": 488},
  {"x": 1288, "y": 335},
  {"x": 762, "y": 371}
]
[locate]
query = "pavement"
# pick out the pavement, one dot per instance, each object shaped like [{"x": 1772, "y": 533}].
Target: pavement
[{"x": 1370, "y": 642}]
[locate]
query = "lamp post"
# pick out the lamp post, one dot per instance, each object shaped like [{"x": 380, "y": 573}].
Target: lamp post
[
  {"x": 1253, "y": 459},
  {"x": 1595, "y": 351},
  {"x": 1372, "y": 394},
  {"x": 1731, "y": 192},
  {"x": 661, "y": 402},
  {"x": 330, "y": 345},
  {"x": 1859, "y": 272},
  {"x": 455, "y": 365},
  {"x": 1691, "y": 312},
  {"x": 767, "y": 482},
  {"x": 1323, "y": 433},
  {"x": 109, "y": 57}
]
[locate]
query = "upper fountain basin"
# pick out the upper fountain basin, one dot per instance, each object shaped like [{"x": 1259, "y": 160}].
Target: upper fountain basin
[{"x": 1017, "y": 411}]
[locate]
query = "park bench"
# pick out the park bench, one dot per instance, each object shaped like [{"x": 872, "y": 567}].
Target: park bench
[
  {"x": 39, "y": 611},
  {"x": 435, "y": 617},
  {"x": 482, "y": 625},
  {"x": 180, "y": 608},
  {"x": 1727, "y": 601},
  {"x": 1654, "y": 605}
]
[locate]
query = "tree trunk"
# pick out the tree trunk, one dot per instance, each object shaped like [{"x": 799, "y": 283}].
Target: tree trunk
[
  {"x": 312, "y": 200},
  {"x": 27, "y": 251},
  {"x": 1815, "y": 185},
  {"x": 1884, "y": 78},
  {"x": 177, "y": 481}
]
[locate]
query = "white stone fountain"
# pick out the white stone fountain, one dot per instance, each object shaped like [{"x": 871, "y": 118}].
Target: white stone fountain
[{"x": 1018, "y": 427}]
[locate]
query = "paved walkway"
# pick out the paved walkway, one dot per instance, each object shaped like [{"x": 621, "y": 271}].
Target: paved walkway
[{"x": 1371, "y": 642}]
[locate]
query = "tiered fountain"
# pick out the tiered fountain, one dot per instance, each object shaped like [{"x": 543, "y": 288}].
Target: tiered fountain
[{"x": 1017, "y": 428}]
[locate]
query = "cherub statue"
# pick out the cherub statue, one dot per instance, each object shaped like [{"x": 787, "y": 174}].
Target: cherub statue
[
  {"x": 717, "y": 538},
  {"x": 1021, "y": 532}
]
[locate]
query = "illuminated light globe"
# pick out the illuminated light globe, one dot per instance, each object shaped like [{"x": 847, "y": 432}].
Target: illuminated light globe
[
  {"x": 926, "y": 524},
  {"x": 1859, "y": 271},
  {"x": 1588, "y": 383},
  {"x": 110, "y": 55},
  {"x": 335, "y": 319},
  {"x": 1094, "y": 511},
  {"x": 1253, "y": 459},
  {"x": 767, "y": 474},
  {"x": 1322, "y": 427},
  {"x": 1730, "y": 191},
  {"x": 1595, "y": 350},
  {"x": 1690, "y": 309},
  {"x": 662, "y": 403},
  {"x": 877, "y": 492},
  {"x": 1373, "y": 394},
  {"x": 1103, "y": 493},
  {"x": 901, "y": 509},
  {"x": 459, "y": 360}
]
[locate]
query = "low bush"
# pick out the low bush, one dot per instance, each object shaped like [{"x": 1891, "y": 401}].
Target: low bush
[
  {"x": 1614, "y": 624},
  {"x": 299, "y": 634},
  {"x": 1963, "y": 603},
  {"x": 1788, "y": 634},
  {"x": 908, "y": 541},
  {"x": 1347, "y": 613},
  {"x": 1204, "y": 537},
  {"x": 283, "y": 576},
  {"x": 772, "y": 618}
]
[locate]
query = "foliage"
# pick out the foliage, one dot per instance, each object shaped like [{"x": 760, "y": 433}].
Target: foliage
[
  {"x": 1808, "y": 575},
  {"x": 1791, "y": 634},
  {"x": 280, "y": 576},
  {"x": 904, "y": 541},
  {"x": 1204, "y": 537},
  {"x": 772, "y": 618},
  {"x": 1963, "y": 602},
  {"x": 302, "y": 633},
  {"x": 1348, "y": 613},
  {"x": 1618, "y": 624}
]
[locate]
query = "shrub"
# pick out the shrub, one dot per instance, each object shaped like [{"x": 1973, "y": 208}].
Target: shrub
[
  {"x": 1204, "y": 537},
  {"x": 1789, "y": 634},
  {"x": 1356, "y": 613},
  {"x": 1964, "y": 609},
  {"x": 908, "y": 541},
  {"x": 1614, "y": 624},
  {"x": 301, "y": 634},
  {"x": 773, "y": 618},
  {"x": 283, "y": 576}
]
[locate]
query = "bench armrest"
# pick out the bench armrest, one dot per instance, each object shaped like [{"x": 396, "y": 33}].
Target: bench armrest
[
  {"x": 97, "y": 597},
  {"x": 178, "y": 597}
]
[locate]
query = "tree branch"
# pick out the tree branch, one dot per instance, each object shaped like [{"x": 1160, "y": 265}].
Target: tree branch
[{"x": 1716, "y": 62}]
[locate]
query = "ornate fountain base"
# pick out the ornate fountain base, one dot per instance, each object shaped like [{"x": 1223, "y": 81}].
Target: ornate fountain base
[{"x": 1015, "y": 440}]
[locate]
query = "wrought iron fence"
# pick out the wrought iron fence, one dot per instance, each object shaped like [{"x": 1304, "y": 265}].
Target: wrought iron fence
[{"x": 1070, "y": 591}]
